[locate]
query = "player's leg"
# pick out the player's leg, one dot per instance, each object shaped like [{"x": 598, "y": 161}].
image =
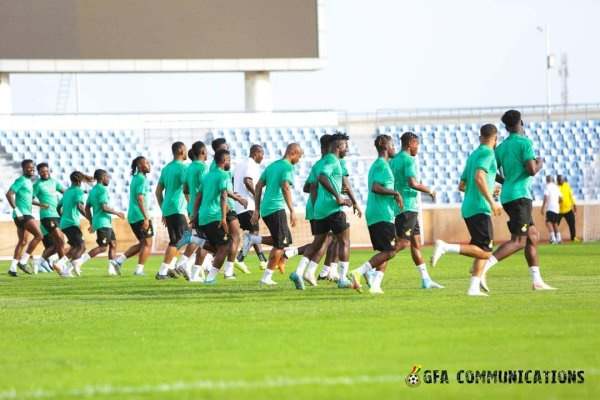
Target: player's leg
[
  {"x": 550, "y": 228},
  {"x": 321, "y": 233},
  {"x": 234, "y": 244},
  {"x": 29, "y": 226},
  {"x": 417, "y": 257},
  {"x": 22, "y": 237},
  {"x": 217, "y": 263},
  {"x": 531, "y": 255},
  {"x": 144, "y": 253},
  {"x": 570, "y": 217},
  {"x": 330, "y": 268},
  {"x": 343, "y": 240},
  {"x": 75, "y": 240},
  {"x": 216, "y": 236},
  {"x": 197, "y": 274},
  {"x": 176, "y": 226},
  {"x": 477, "y": 271},
  {"x": 383, "y": 238},
  {"x": 114, "y": 268},
  {"x": 281, "y": 237}
]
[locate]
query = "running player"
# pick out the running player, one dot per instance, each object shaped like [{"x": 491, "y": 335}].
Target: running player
[
  {"x": 380, "y": 216},
  {"x": 477, "y": 181},
  {"x": 245, "y": 177},
  {"x": 516, "y": 158},
  {"x": 20, "y": 199},
  {"x": 277, "y": 180},
  {"x": 406, "y": 181},
  {"x": 46, "y": 190},
  {"x": 172, "y": 205},
  {"x": 138, "y": 216},
  {"x": 71, "y": 207}
]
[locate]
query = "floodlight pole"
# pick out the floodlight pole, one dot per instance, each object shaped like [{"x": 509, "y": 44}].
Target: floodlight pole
[
  {"x": 548, "y": 66},
  {"x": 5, "y": 96}
]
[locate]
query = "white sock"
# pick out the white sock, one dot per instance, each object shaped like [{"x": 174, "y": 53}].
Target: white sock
[
  {"x": 376, "y": 283},
  {"x": 552, "y": 237},
  {"x": 228, "y": 268},
  {"x": 111, "y": 268},
  {"x": 291, "y": 252},
  {"x": 121, "y": 259},
  {"x": 197, "y": 241},
  {"x": 207, "y": 263},
  {"x": 302, "y": 266},
  {"x": 558, "y": 238},
  {"x": 474, "y": 285},
  {"x": 312, "y": 268},
  {"x": 196, "y": 271},
  {"x": 54, "y": 257},
  {"x": 334, "y": 269},
  {"x": 85, "y": 257},
  {"x": 13, "y": 265},
  {"x": 363, "y": 269},
  {"x": 68, "y": 268},
  {"x": 344, "y": 269},
  {"x": 255, "y": 239},
  {"x": 536, "y": 277},
  {"x": 423, "y": 270},
  {"x": 212, "y": 274},
  {"x": 139, "y": 269},
  {"x": 452, "y": 248},
  {"x": 182, "y": 260},
  {"x": 324, "y": 271},
  {"x": 61, "y": 263},
  {"x": 190, "y": 262},
  {"x": 164, "y": 268},
  {"x": 24, "y": 258},
  {"x": 268, "y": 275},
  {"x": 489, "y": 264}
]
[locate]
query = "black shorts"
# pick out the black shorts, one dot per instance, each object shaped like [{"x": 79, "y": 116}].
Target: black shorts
[
  {"x": 231, "y": 216},
  {"x": 278, "y": 227},
  {"x": 334, "y": 223},
  {"x": 176, "y": 225},
  {"x": 214, "y": 233},
  {"x": 21, "y": 223},
  {"x": 245, "y": 222},
  {"x": 47, "y": 241},
  {"x": 519, "y": 214},
  {"x": 139, "y": 233},
  {"x": 407, "y": 225},
  {"x": 552, "y": 217},
  {"x": 312, "y": 227},
  {"x": 104, "y": 236},
  {"x": 383, "y": 236},
  {"x": 74, "y": 236},
  {"x": 481, "y": 231},
  {"x": 50, "y": 224}
]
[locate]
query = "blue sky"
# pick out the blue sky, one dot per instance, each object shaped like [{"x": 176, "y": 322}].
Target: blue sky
[{"x": 381, "y": 54}]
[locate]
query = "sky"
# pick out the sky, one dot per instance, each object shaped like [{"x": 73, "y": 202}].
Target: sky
[{"x": 380, "y": 54}]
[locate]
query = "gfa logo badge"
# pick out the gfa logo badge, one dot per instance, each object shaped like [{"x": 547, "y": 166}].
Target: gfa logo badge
[
  {"x": 524, "y": 228},
  {"x": 413, "y": 379},
  {"x": 408, "y": 232},
  {"x": 104, "y": 240},
  {"x": 491, "y": 245}
]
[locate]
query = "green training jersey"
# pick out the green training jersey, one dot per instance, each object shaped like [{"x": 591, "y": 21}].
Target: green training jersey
[
  {"x": 193, "y": 176},
  {"x": 23, "y": 189},
  {"x": 69, "y": 201},
  {"x": 511, "y": 156},
  {"x": 474, "y": 203},
  {"x": 312, "y": 177},
  {"x": 211, "y": 187},
  {"x": 380, "y": 208},
  {"x": 326, "y": 203},
  {"x": 274, "y": 175},
  {"x": 96, "y": 198},
  {"x": 230, "y": 204},
  {"x": 403, "y": 167},
  {"x": 138, "y": 186},
  {"x": 46, "y": 191},
  {"x": 171, "y": 177}
]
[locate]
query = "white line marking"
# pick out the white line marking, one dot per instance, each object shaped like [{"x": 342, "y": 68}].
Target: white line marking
[{"x": 98, "y": 390}]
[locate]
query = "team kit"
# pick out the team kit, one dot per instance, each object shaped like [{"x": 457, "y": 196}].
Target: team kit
[{"x": 212, "y": 213}]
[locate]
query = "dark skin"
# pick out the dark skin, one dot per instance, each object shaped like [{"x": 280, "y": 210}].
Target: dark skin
[
  {"x": 30, "y": 226},
  {"x": 76, "y": 252},
  {"x": 257, "y": 156},
  {"x": 58, "y": 237},
  {"x": 191, "y": 248}
]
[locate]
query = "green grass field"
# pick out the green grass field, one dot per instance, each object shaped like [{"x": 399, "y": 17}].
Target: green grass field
[{"x": 135, "y": 337}]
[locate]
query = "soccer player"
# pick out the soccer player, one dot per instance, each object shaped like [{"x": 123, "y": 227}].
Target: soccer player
[
  {"x": 20, "y": 199},
  {"x": 380, "y": 216},
  {"x": 211, "y": 217},
  {"x": 46, "y": 190},
  {"x": 245, "y": 177},
  {"x": 138, "y": 216},
  {"x": 550, "y": 208},
  {"x": 568, "y": 208},
  {"x": 172, "y": 205},
  {"x": 194, "y": 174},
  {"x": 98, "y": 208},
  {"x": 71, "y": 207},
  {"x": 406, "y": 181},
  {"x": 328, "y": 212},
  {"x": 276, "y": 180},
  {"x": 477, "y": 181},
  {"x": 516, "y": 158}
]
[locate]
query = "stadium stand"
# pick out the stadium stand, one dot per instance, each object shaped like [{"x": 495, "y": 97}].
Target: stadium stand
[{"x": 567, "y": 147}]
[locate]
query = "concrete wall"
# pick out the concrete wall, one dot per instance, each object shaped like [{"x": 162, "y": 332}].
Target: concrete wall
[{"x": 443, "y": 224}]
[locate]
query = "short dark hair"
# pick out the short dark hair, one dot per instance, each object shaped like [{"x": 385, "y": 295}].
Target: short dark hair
[
  {"x": 99, "y": 173},
  {"x": 488, "y": 130},
  {"x": 134, "y": 164},
  {"x": 177, "y": 147},
  {"x": 26, "y": 162},
  {"x": 41, "y": 165},
  {"x": 381, "y": 141},
  {"x": 325, "y": 139},
  {"x": 511, "y": 119},
  {"x": 255, "y": 148},
  {"x": 197, "y": 148},
  {"x": 220, "y": 156},
  {"x": 218, "y": 142},
  {"x": 407, "y": 137},
  {"x": 191, "y": 155}
]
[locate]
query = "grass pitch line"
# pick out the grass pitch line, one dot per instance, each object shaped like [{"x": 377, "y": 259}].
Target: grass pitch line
[{"x": 99, "y": 390}]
